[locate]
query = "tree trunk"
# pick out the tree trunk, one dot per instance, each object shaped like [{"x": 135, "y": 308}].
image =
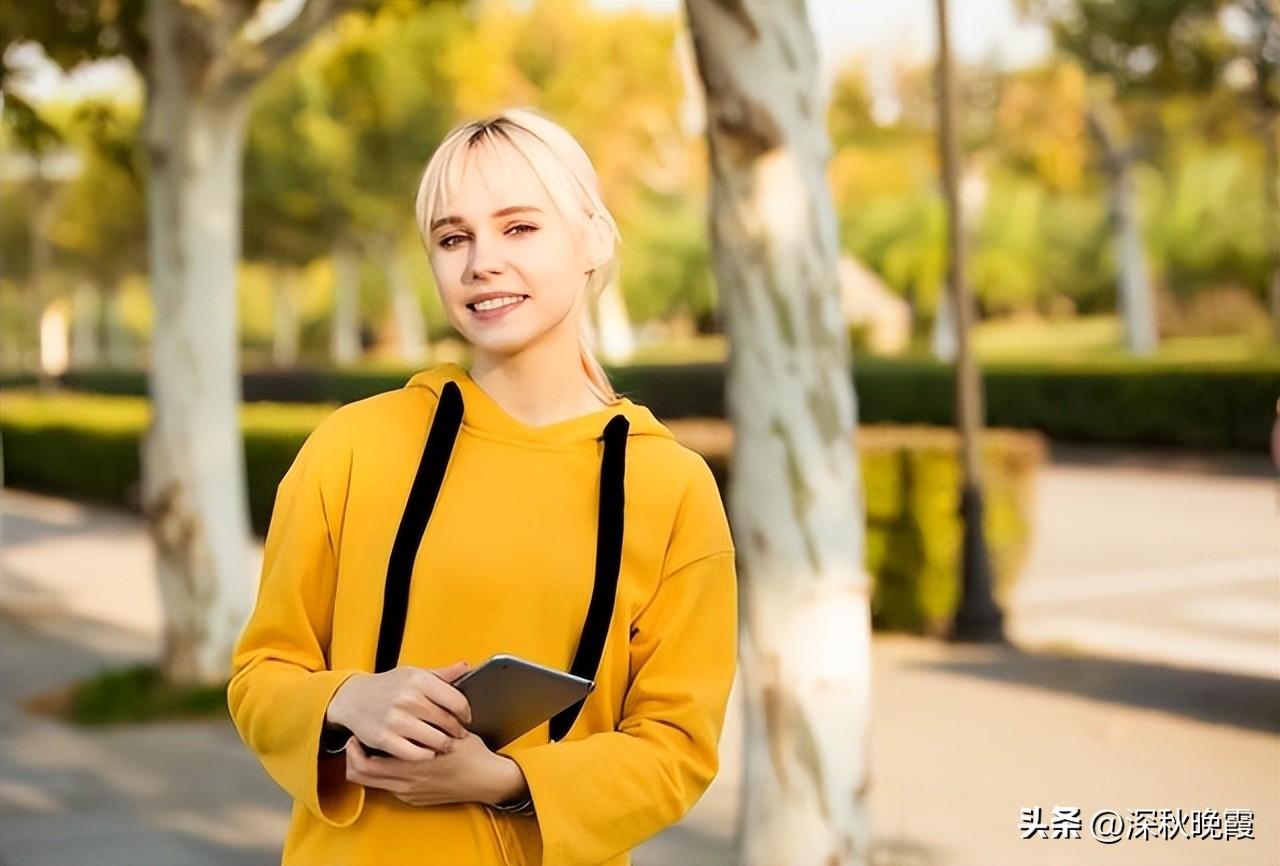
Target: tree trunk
[
  {"x": 1134, "y": 295},
  {"x": 1271, "y": 221},
  {"x": 42, "y": 207},
  {"x": 116, "y": 339},
  {"x": 193, "y": 487},
  {"x": 1265, "y": 15},
  {"x": 614, "y": 334},
  {"x": 54, "y": 350},
  {"x": 286, "y": 320},
  {"x": 795, "y": 495},
  {"x": 942, "y": 339},
  {"x": 411, "y": 323},
  {"x": 85, "y": 336},
  {"x": 344, "y": 332}
]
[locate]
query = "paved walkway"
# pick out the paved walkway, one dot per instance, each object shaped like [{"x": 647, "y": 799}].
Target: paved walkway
[{"x": 1146, "y": 674}]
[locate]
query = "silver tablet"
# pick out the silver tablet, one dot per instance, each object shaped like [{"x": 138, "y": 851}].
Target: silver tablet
[{"x": 510, "y": 696}]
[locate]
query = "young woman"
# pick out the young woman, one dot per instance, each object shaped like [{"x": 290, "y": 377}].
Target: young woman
[{"x": 522, "y": 507}]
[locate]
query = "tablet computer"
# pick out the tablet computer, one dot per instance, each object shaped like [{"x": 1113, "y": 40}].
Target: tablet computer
[{"x": 510, "y": 696}]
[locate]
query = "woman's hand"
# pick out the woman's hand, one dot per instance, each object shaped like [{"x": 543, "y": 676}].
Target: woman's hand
[
  {"x": 470, "y": 773},
  {"x": 411, "y": 713}
]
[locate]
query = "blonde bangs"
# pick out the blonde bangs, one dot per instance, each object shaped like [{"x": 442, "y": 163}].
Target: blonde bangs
[{"x": 496, "y": 147}]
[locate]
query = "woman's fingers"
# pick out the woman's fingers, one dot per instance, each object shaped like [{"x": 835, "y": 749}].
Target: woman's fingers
[
  {"x": 441, "y": 693},
  {"x": 365, "y": 769},
  {"x": 421, "y": 734},
  {"x": 440, "y": 717}
]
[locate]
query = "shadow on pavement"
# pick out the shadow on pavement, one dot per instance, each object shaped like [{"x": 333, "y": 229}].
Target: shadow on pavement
[{"x": 1237, "y": 700}]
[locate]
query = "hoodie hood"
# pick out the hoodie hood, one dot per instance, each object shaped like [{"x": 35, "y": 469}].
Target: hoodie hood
[{"x": 483, "y": 413}]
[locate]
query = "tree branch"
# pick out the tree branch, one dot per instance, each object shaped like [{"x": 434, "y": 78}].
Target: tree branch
[{"x": 251, "y": 56}]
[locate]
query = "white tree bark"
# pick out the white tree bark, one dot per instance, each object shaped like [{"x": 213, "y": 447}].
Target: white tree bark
[
  {"x": 411, "y": 323},
  {"x": 54, "y": 344},
  {"x": 344, "y": 330},
  {"x": 1134, "y": 295},
  {"x": 614, "y": 334},
  {"x": 119, "y": 346},
  {"x": 203, "y": 62},
  {"x": 86, "y": 342},
  {"x": 795, "y": 495},
  {"x": 286, "y": 317}
]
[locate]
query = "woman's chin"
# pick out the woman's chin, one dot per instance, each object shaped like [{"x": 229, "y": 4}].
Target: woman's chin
[{"x": 494, "y": 342}]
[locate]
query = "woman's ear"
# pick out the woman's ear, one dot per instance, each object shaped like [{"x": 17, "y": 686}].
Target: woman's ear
[{"x": 597, "y": 240}]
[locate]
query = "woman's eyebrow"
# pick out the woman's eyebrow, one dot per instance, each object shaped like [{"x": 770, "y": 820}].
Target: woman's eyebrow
[{"x": 456, "y": 220}]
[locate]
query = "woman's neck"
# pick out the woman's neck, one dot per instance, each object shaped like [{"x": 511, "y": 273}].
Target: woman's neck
[{"x": 537, "y": 393}]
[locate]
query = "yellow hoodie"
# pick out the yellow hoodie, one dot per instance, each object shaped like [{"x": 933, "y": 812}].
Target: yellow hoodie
[{"x": 507, "y": 563}]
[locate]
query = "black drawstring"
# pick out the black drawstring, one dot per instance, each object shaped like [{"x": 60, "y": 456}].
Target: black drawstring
[
  {"x": 586, "y": 661},
  {"x": 413, "y": 524},
  {"x": 417, "y": 511}
]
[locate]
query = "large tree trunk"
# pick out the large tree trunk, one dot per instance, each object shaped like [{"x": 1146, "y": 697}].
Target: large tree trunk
[
  {"x": 344, "y": 328},
  {"x": 203, "y": 63},
  {"x": 1134, "y": 295},
  {"x": 795, "y": 495},
  {"x": 193, "y": 471}
]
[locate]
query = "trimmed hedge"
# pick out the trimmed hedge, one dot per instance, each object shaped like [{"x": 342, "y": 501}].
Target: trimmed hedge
[
  {"x": 1228, "y": 406},
  {"x": 911, "y": 483},
  {"x": 87, "y": 447}
]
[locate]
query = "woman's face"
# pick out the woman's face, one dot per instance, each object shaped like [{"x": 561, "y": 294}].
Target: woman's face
[{"x": 498, "y": 232}]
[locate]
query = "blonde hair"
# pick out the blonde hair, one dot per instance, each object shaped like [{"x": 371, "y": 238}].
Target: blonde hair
[{"x": 565, "y": 171}]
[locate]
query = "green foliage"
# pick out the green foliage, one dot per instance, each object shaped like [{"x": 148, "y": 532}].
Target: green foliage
[
  {"x": 665, "y": 267},
  {"x": 1199, "y": 397},
  {"x": 86, "y": 448},
  {"x": 141, "y": 694},
  {"x": 911, "y": 483}
]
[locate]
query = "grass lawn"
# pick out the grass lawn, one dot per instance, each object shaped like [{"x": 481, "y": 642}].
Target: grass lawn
[{"x": 1083, "y": 340}]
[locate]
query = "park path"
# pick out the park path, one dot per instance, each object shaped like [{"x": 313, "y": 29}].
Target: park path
[{"x": 1145, "y": 673}]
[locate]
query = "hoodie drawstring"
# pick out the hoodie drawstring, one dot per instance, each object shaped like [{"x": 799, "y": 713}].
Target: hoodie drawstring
[
  {"x": 422, "y": 499},
  {"x": 609, "y": 524}
]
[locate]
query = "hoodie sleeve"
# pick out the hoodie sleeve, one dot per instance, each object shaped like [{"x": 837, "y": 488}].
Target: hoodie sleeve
[
  {"x": 601, "y": 795},
  {"x": 280, "y": 686}
]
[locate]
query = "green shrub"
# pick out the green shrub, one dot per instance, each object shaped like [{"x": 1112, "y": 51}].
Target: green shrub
[
  {"x": 911, "y": 480},
  {"x": 133, "y": 694},
  {"x": 1227, "y": 405},
  {"x": 87, "y": 448}
]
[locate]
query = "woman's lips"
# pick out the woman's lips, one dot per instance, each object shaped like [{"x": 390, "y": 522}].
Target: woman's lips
[{"x": 489, "y": 315}]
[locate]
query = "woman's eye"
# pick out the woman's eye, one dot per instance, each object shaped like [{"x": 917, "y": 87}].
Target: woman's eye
[{"x": 446, "y": 242}]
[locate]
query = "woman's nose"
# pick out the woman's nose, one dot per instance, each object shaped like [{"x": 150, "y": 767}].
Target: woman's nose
[{"x": 486, "y": 257}]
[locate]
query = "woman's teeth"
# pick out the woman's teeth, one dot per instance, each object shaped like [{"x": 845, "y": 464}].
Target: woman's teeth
[{"x": 495, "y": 303}]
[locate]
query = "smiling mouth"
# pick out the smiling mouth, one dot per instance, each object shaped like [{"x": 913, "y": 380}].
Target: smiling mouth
[{"x": 472, "y": 307}]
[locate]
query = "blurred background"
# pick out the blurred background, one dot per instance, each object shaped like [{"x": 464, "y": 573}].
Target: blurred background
[{"x": 1119, "y": 192}]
